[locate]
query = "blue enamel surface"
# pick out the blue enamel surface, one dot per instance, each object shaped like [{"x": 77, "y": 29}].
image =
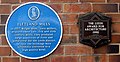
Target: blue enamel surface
[{"x": 47, "y": 19}]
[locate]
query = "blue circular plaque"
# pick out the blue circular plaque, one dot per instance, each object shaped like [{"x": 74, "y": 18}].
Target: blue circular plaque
[{"x": 33, "y": 30}]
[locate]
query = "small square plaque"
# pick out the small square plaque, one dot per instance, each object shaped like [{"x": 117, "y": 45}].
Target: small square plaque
[{"x": 95, "y": 29}]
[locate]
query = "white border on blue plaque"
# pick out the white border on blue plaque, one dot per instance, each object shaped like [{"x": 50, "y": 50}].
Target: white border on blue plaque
[{"x": 33, "y": 30}]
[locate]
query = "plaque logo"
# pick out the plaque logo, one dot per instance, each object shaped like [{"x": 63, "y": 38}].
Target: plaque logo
[{"x": 33, "y": 13}]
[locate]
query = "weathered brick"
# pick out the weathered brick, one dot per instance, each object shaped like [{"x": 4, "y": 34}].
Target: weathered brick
[
  {"x": 103, "y": 58},
  {"x": 14, "y": 7},
  {"x": 77, "y": 8},
  {"x": 26, "y": 60},
  {"x": 95, "y": 58},
  {"x": 69, "y": 39},
  {"x": 4, "y": 19},
  {"x": 59, "y": 50},
  {"x": 116, "y": 27},
  {"x": 2, "y": 29},
  {"x": 76, "y": 49},
  {"x": 5, "y": 9},
  {"x": 105, "y": 8},
  {"x": 45, "y": 59},
  {"x": 57, "y": 7},
  {"x": 63, "y": 1},
  {"x": 34, "y": 0},
  {"x": 10, "y": 1},
  {"x": 66, "y": 29},
  {"x": 5, "y": 51},
  {"x": 101, "y": 50},
  {"x": 4, "y": 41},
  {"x": 92, "y": 0},
  {"x": 87, "y": 58},
  {"x": 0, "y": 60},
  {"x": 64, "y": 59},
  {"x": 114, "y": 1},
  {"x": 115, "y": 17},
  {"x": 11, "y": 59},
  {"x": 74, "y": 29},
  {"x": 114, "y": 58},
  {"x": 0, "y": 40},
  {"x": 115, "y": 39},
  {"x": 69, "y": 18},
  {"x": 15, "y": 54}
]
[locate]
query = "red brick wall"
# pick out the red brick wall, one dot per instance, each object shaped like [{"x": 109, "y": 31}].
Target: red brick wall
[{"x": 70, "y": 50}]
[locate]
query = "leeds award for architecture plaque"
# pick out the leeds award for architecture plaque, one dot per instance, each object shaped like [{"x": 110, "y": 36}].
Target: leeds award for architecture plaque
[
  {"x": 33, "y": 30},
  {"x": 95, "y": 29}
]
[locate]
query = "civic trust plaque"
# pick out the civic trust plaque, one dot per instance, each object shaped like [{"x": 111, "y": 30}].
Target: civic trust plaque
[
  {"x": 33, "y": 30},
  {"x": 95, "y": 29}
]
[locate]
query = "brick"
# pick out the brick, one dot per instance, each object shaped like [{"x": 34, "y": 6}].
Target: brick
[
  {"x": 76, "y": 49},
  {"x": 34, "y": 0},
  {"x": 92, "y": 0},
  {"x": 37, "y": 60},
  {"x": 26, "y": 60},
  {"x": 103, "y": 58},
  {"x": 14, "y": 7},
  {"x": 15, "y": 54},
  {"x": 5, "y": 9},
  {"x": 116, "y": 27},
  {"x": 10, "y": 1},
  {"x": 115, "y": 39},
  {"x": 63, "y": 1},
  {"x": 87, "y": 58},
  {"x": 5, "y": 51},
  {"x": 101, "y": 50},
  {"x": 2, "y": 29},
  {"x": 105, "y": 8},
  {"x": 59, "y": 50},
  {"x": 69, "y": 18},
  {"x": 114, "y": 58},
  {"x": 0, "y": 40},
  {"x": 64, "y": 59},
  {"x": 113, "y": 49},
  {"x": 66, "y": 29},
  {"x": 11, "y": 59},
  {"x": 4, "y": 19},
  {"x": 4, "y": 41},
  {"x": 57, "y": 7},
  {"x": 77, "y": 8},
  {"x": 69, "y": 39},
  {"x": 114, "y": 1},
  {"x": 100, "y": 58},
  {"x": 115, "y": 17},
  {"x": 46, "y": 59},
  {"x": 74, "y": 29},
  {"x": 95, "y": 58}
]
